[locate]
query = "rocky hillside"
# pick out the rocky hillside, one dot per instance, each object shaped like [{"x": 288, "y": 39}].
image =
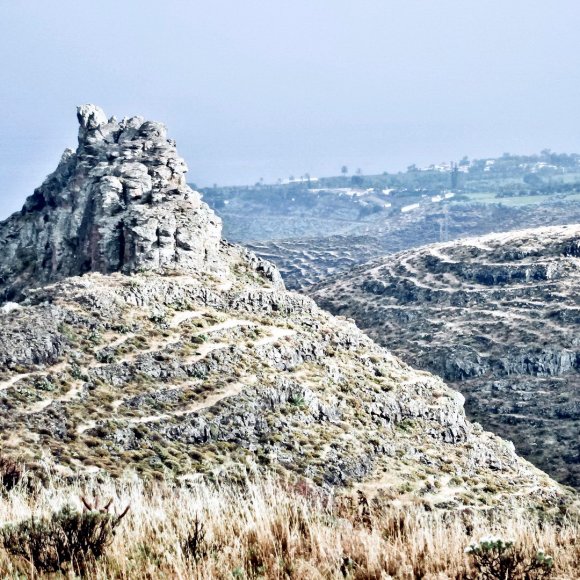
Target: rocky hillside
[
  {"x": 135, "y": 338},
  {"x": 310, "y": 260},
  {"x": 498, "y": 317}
]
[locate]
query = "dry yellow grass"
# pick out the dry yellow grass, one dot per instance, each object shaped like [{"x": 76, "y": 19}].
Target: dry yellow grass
[{"x": 265, "y": 528}]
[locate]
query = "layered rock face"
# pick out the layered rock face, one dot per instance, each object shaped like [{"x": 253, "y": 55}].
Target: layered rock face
[
  {"x": 119, "y": 203},
  {"x": 177, "y": 354},
  {"x": 499, "y": 318}
]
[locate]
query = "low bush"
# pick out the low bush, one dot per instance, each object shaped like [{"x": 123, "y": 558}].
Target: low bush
[
  {"x": 497, "y": 559},
  {"x": 65, "y": 538},
  {"x": 194, "y": 545},
  {"x": 11, "y": 473}
]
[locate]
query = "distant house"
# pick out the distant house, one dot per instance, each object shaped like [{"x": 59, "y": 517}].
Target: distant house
[
  {"x": 489, "y": 163},
  {"x": 300, "y": 180}
]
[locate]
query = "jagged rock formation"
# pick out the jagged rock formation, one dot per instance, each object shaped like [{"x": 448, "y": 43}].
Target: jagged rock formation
[
  {"x": 119, "y": 203},
  {"x": 191, "y": 358},
  {"x": 499, "y": 318}
]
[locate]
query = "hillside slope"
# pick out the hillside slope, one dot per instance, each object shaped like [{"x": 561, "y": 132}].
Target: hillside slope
[
  {"x": 137, "y": 339},
  {"x": 310, "y": 260},
  {"x": 498, "y": 317}
]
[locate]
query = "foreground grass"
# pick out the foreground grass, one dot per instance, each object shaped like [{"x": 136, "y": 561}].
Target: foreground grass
[{"x": 268, "y": 528}]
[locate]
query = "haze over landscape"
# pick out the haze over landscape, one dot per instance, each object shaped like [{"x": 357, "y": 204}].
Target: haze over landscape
[{"x": 258, "y": 89}]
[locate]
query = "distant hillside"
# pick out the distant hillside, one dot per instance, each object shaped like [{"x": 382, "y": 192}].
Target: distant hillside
[
  {"x": 498, "y": 317},
  {"x": 310, "y": 206},
  {"x": 313, "y": 227},
  {"x": 310, "y": 260}
]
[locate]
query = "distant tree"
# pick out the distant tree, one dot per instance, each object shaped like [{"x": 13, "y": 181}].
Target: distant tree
[
  {"x": 344, "y": 169},
  {"x": 454, "y": 175},
  {"x": 412, "y": 168},
  {"x": 359, "y": 171},
  {"x": 291, "y": 178},
  {"x": 533, "y": 180}
]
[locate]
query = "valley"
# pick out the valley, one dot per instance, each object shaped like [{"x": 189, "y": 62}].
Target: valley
[{"x": 314, "y": 228}]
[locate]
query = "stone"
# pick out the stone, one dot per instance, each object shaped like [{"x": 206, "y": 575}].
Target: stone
[
  {"x": 120, "y": 202},
  {"x": 91, "y": 117}
]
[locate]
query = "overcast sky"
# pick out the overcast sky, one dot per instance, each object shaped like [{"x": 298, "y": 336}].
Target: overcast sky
[{"x": 269, "y": 88}]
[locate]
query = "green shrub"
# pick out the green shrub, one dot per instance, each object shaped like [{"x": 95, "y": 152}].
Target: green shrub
[
  {"x": 67, "y": 537},
  {"x": 296, "y": 399},
  {"x": 105, "y": 357},
  {"x": 497, "y": 559}
]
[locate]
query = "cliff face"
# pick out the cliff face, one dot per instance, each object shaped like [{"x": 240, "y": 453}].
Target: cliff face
[
  {"x": 177, "y": 353},
  {"x": 119, "y": 203},
  {"x": 499, "y": 318}
]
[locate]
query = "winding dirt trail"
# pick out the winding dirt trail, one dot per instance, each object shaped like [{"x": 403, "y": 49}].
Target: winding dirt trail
[{"x": 211, "y": 400}]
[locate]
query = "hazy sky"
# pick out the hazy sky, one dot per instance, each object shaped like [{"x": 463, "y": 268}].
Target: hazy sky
[{"x": 269, "y": 88}]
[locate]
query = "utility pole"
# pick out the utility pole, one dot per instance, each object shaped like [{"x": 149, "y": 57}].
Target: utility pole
[
  {"x": 444, "y": 225},
  {"x": 454, "y": 176}
]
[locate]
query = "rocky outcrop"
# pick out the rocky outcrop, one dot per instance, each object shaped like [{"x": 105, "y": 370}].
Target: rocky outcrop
[
  {"x": 120, "y": 202},
  {"x": 178, "y": 354},
  {"x": 498, "y": 317}
]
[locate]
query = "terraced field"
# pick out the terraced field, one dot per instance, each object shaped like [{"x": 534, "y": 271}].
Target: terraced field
[
  {"x": 310, "y": 260},
  {"x": 499, "y": 318}
]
